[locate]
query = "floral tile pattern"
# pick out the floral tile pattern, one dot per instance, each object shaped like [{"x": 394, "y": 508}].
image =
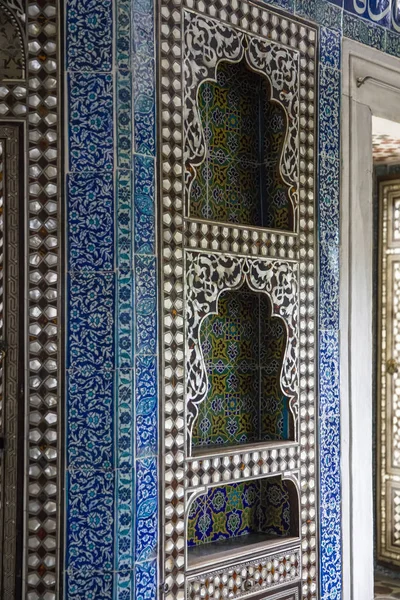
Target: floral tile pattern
[
  {"x": 239, "y": 180},
  {"x": 89, "y": 39},
  {"x": 243, "y": 348},
  {"x": 90, "y": 121},
  {"x": 238, "y": 509},
  {"x": 108, "y": 554},
  {"x": 112, "y": 484}
]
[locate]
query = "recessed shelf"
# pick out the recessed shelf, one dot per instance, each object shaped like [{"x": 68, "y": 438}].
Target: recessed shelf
[
  {"x": 243, "y": 347},
  {"x": 239, "y": 180},
  {"x": 241, "y": 518}
]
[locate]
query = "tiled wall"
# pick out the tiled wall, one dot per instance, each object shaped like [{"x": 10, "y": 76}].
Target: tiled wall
[
  {"x": 111, "y": 431},
  {"x": 111, "y": 501}
]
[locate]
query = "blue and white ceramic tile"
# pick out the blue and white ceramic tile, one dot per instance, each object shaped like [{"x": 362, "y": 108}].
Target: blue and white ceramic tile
[
  {"x": 364, "y": 32},
  {"x": 90, "y": 531},
  {"x": 144, "y": 204},
  {"x": 144, "y": 104},
  {"x": 329, "y": 112},
  {"x": 376, "y": 11},
  {"x": 125, "y": 431},
  {"x": 146, "y": 405},
  {"x": 146, "y": 509},
  {"x": 90, "y": 121},
  {"x": 330, "y": 459},
  {"x": 124, "y": 223},
  {"x": 89, "y": 40},
  {"x": 393, "y": 43},
  {"x": 146, "y": 304},
  {"x": 143, "y": 27},
  {"x": 395, "y": 17},
  {"x": 328, "y": 199},
  {"x": 91, "y": 321},
  {"x": 89, "y": 586},
  {"x": 90, "y": 419},
  {"x": 329, "y": 287},
  {"x": 90, "y": 221},
  {"x": 146, "y": 580},
  {"x": 125, "y": 520},
  {"x": 320, "y": 11},
  {"x": 125, "y": 316},
  {"x": 330, "y": 48},
  {"x": 123, "y": 34},
  {"x": 125, "y": 585},
  {"x": 329, "y": 398},
  {"x": 124, "y": 119}
]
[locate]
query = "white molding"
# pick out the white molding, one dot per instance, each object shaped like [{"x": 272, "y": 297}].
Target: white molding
[{"x": 379, "y": 96}]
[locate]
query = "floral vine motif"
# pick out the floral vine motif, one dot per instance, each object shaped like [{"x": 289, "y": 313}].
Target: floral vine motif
[
  {"x": 209, "y": 275},
  {"x": 206, "y": 43},
  {"x": 281, "y": 66}
]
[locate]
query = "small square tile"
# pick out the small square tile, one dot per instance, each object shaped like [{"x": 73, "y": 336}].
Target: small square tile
[
  {"x": 90, "y": 221},
  {"x": 144, "y": 105},
  {"x": 90, "y": 103},
  {"x": 144, "y": 205},
  {"x": 90, "y": 419},
  {"x": 329, "y": 196},
  {"x": 143, "y": 27},
  {"x": 322, "y": 12},
  {"x": 146, "y": 304},
  {"x": 329, "y": 287},
  {"x": 366, "y": 33},
  {"x": 91, "y": 321},
  {"x": 123, "y": 34},
  {"x": 85, "y": 586},
  {"x": 376, "y": 11},
  {"x": 125, "y": 520},
  {"x": 146, "y": 509},
  {"x": 89, "y": 30},
  {"x": 125, "y": 315},
  {"x": 90, "y": 522},
  {"x": 330, "y": 41},
  {"x": 329, "y": 395},
  {"x": 329, "y": 112},
  {"x": 146, "y": 406},
  {"x": 146, "y": 580},
  {"x": 125, "y": 432},
  {"x": 124, "y": 119},
  {"x": 124, "y": 219}
]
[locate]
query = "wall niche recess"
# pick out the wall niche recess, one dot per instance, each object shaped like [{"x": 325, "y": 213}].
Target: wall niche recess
[
  {"x": 241, "y": 516},
  {"x": 239, "y": 180},
  {"x": 243, "y": 348}
]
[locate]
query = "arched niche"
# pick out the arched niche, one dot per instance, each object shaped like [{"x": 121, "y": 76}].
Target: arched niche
[
  {"x": 246, "y": 515},
  {"x": 240, "y": 180},
  {"x": 243, "y": 347}
]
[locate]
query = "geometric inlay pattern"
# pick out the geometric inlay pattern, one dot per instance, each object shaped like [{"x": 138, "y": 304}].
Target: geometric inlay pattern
[
  {"x": 195, "y": 37},
  {"x": 34, "y": 98}
]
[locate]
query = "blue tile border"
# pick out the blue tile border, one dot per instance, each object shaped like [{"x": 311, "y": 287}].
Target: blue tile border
[
  {"x": 89, "y": 39},
  {"x": 90, "y": 221},
  {"x": 90, "y": 104}
]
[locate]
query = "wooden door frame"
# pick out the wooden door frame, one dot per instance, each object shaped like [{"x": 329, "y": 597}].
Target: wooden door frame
[{"x": 378, "y": 95}]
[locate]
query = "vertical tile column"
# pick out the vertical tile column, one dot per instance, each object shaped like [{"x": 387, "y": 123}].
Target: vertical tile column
[
  {"x": 90, "y": 381},
  {"x": 146, "y": 447},
  {"x": 136, "y": 315},
  {"x": 329, "y": 392},
  {"x": 112, "y": 395}
]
